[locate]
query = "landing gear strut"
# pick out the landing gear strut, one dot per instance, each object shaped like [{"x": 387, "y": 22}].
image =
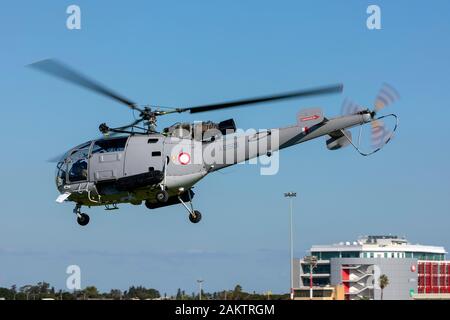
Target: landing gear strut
[
  {"x": 162, "y": 196},
  {"x": 194, "y": 215},
  {"x": 82, "y": 218}
]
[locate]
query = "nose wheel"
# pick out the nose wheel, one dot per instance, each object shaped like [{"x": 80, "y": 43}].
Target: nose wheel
[
  {"x": 82, "y": 218},
  {"x": 194, "y": 215}
]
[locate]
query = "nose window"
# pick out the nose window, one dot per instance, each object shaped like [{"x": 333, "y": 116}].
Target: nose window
[{"x": 61, "y": 174}]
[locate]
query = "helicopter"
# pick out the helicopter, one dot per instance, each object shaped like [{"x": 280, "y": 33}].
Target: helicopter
[{"x": 136, "y": 163}]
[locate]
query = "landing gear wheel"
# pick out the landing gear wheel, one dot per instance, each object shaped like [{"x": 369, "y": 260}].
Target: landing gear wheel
[
  {"x": 83, "y": 219},
  {"x": 162, "y": 196},
  {"x": 195, "y": 217}
]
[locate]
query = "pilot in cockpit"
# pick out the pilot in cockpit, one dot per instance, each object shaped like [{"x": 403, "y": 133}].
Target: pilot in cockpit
[{"x": 78, "y": 171}]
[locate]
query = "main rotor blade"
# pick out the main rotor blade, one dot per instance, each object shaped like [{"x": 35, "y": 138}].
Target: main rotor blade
[
  {"x": 60, "y": 70},
  {"x": 57, "y": 158},
  {"x": 284, "y": 96}
]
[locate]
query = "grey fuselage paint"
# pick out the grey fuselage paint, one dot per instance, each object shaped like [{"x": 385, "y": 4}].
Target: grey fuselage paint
[{"x": 159, "y": 153}]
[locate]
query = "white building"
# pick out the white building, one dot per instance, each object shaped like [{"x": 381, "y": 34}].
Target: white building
[{"x": 411, "y": 268}]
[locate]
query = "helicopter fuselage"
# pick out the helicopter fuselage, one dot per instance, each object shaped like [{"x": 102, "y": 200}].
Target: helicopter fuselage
[{"x": 132, "y": 169}]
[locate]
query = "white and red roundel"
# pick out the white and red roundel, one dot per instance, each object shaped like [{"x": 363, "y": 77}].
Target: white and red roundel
[{"x": 184, "y": 158}]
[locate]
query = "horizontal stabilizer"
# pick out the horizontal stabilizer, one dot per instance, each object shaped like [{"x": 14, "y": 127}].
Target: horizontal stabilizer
[{"x": 338, "y": 139}]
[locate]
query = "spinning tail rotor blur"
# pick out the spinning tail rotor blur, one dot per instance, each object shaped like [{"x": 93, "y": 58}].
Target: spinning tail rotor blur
[{"x": 380, "y": 133}]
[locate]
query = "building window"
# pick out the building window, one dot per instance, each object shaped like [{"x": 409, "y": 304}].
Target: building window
[
  {"x": 321, "y": 268},
  {"x": 350, "y": 254},
  {"x": 317, "y": 254},
  {"x": 419, "y": 256},
  {"x": 329, "y": 255}
]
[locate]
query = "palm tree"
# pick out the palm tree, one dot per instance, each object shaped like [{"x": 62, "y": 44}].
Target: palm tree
[{"x": 383, "y": 282}]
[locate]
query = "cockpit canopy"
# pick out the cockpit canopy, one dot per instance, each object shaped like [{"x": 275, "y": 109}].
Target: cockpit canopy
[{"x": 73, "y": 166}]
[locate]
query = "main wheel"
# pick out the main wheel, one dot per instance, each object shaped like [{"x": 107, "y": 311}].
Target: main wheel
[
  {"x": 83, "y": 219},
  {"x": 162, "y": 196},
  {"x": 196, "y": 217}
]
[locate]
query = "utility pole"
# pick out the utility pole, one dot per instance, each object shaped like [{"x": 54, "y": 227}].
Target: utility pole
[
  {"x": 291, "y": 195},
  {"x": 200, "y": 281}
]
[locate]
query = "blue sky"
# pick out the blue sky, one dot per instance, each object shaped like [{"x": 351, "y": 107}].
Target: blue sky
[{"x": 173, "y": 53}]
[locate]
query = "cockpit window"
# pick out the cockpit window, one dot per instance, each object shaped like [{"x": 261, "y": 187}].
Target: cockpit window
[
  {"x": 78, "y": 165},
  {"x": 109, "y": 145},
  {"x": 84, "y": 145},
  {"x": 61, "y": 174},
  {"x": 73, "y": 166},
  {"x": 78, "y": 171}
]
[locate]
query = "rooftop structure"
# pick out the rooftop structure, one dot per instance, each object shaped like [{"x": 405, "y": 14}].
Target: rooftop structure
[{"x": 378, "y": 246}]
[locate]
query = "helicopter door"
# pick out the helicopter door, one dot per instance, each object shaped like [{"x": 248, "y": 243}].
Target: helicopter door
[
  {"x": 144, "y": 154},
  {"x": 107, "y": 159}
]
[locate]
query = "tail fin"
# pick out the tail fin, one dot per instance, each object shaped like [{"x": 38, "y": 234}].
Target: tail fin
[{"x": 308, "y": 118}]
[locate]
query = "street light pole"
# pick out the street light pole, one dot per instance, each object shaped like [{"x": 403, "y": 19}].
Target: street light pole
[
  {"x": 200, "y": 281},
  {"x": 312, "y": 261},
  {"x": 291, "y": 195},
  {"x": 310, "y": 282}
]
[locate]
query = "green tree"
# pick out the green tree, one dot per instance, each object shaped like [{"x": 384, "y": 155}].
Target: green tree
[
  {"x": 6, "y": 293},
  {"x": 115, "y": 294},
  {"x": 26, "y": 290},
  {"x": 14, "y": 291},
  {"x": 383, "y": 281},
  {"x": 237, "y": 292},
  {"x": 91, "y": 292},
  {"x": 68, "y": 296},
  {"x": 42, "y": 288},
  {"x": 142, "y": 293}
]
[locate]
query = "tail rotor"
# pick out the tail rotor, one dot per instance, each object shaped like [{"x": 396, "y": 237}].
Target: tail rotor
[
  {"x": 349, "y": 107},
  {"x": 380, "y": 133},
  {"x": 386, "y": 96}
]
